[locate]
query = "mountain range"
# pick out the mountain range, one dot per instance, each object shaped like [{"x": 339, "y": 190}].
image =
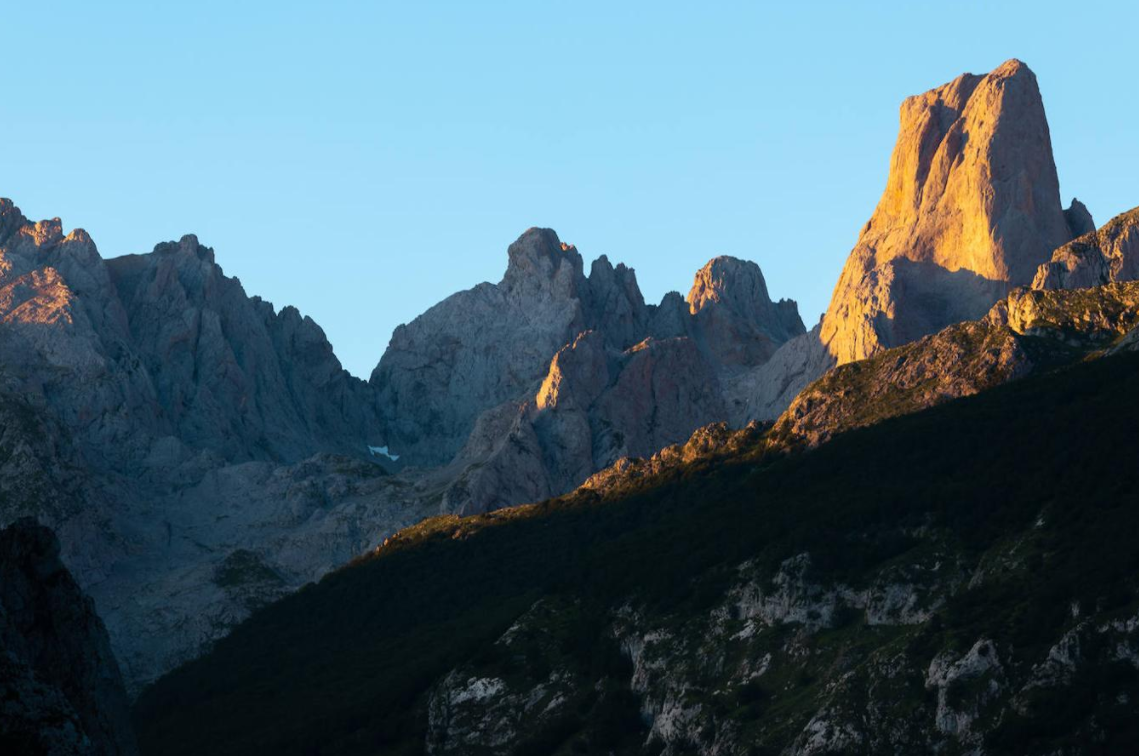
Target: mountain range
[{"x": 726, "y": 557}]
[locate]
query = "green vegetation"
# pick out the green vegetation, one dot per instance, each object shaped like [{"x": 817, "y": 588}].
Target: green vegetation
[{"x": 1035, "y": 483}]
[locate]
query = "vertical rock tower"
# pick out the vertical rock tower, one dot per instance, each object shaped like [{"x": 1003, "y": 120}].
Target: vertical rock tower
[{"x": 971, "y": 209}]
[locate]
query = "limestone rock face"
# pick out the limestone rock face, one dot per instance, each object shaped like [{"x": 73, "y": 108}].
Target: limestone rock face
[
  {"x": 1108, "y": 255},
  {"x": 971, "y": 209},
  {"x": 663, "y": 392},
  {"x": 578, "y": 374},
  {"x": 139, "y": 397},
  {"x": 595, "y": 406},
  {"x": 614, "y": 305},
  {"x": 672, "y": 317},
  {"x": 1079, "y": 218},
  {"x": 200, "y": 453},
  {"x": 60, "y": 688},
  {"x": 762, "y": 393},
  {"x": 229, "y": 373},
  {"x": 734, "y": 315},
  {"x": 139, "y": 348},
  {"x": 479, "y": 348}
]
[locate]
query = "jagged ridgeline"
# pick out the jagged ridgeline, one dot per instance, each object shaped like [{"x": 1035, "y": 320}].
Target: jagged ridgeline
[
  {"x": 200, "y": 452},
  {"x": 960, "y": 579}
]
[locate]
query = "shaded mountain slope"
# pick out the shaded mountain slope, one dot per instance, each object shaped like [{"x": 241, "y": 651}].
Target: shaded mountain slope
[
  {"x": 164, "y": 349},
  {"x": 60, "y": 689},
  {"x": 960, "y": 578},
  {"x": 161, "y": 421}
]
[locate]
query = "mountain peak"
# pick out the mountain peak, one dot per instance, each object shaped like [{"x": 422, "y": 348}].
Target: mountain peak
[
  {"x": 1012, "y": 67},
  {"x": 971, "y": 208},
  {"x": 734, "y": 314},
  {"x": 730, "y": 281},
  {"x": 539, "y": 256}
]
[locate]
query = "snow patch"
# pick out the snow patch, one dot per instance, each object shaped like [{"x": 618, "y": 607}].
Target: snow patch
[{"x": 382, "y": 451}]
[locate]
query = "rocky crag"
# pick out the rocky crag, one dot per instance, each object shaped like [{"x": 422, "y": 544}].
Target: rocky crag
[
  {"x": 970, "y": 210},
  {"x": 525, "y": 388},
  {"x": 60, "y": 688},
  {"x": 1029, "y": 332},
  {"x": 1108, "y": 255}
]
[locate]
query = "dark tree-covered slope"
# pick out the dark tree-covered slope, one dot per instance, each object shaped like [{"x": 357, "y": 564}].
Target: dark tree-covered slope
[{"x": 963, "y": 578}]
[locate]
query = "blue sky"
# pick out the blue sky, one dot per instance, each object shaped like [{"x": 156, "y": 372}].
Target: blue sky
[{"x": 363, "y": 160}]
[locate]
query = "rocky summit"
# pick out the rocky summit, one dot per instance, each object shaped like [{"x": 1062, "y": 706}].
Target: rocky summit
[
  {"x": 971, "y": 209},
  {"x": 736, "y": 317}
]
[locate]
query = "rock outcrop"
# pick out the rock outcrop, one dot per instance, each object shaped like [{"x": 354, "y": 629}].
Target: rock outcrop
[
  {"x": 734, "y": 315},
  {"x": 1108, "y": 255},
  {"x": 60, "y": 688},
  {"x": 479, "y": 348},
  {"x": 595, "y": 406},
  {"x": 971, "y": 209},
  {"x": 229, "y": 373},
  {"x": 492, "y": 344},
  {"x": 762, "y": 393}
]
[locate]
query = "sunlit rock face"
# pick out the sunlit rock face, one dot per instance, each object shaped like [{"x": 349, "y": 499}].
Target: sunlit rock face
[
  {"x": 1109, "y": 255},
  {"x": 596, "y": 405},
  {"x": 971, "y": 209}
]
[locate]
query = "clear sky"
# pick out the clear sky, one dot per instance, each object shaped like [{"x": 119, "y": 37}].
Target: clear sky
[{"x": 363, "y": 160}]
